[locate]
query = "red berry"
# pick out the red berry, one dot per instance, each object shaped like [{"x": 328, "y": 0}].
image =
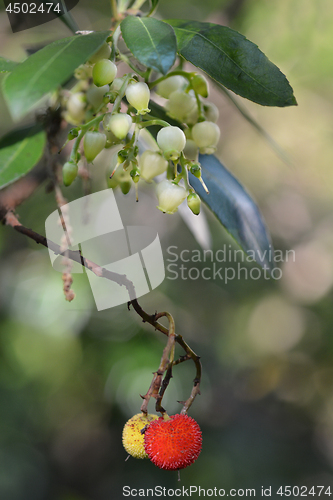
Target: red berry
[{"x": 173, "y": 444}]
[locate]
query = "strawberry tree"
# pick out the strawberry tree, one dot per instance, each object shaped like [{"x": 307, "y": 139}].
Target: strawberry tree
[{"x": 170, "y": 61}]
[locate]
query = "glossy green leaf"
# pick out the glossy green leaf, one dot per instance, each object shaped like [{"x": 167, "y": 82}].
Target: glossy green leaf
[
  {"x": 20, "y": 150},
  {"x": 48, "y": 68},
  {"x": 152, "y": 42},
  {"x": 232, "y": 60},
  {"x": 6, "y": 66},
  {"x": 235, "y": 209}
]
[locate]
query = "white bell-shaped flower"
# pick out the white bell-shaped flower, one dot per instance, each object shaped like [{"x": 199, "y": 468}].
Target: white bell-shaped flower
[
  {"x": 165, "y": 88},
  {"x": 119, "y": 124},
  {"x": 206, "y": 135},
  {"x": 170, "y": 196},
  {"x": 138, "y": 95},
  {"x": 93, "y": 143},
  {"x": 172, "y": 141},
  {"x": 152, "y": 164},
  {"x": 180, "y": 105}
]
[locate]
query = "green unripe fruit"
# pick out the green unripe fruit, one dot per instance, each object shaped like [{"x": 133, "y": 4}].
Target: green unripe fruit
[
  {"x": 75, "y": 105},
  {"x": 120, "y": 174},
  {"x": 93, "y": 143},
  {"x": 194, "y": 203},
  {"x": 180, "y": 105},
  {"x": 165, "y": 88},
  {"x": 103, "y": 53},
  {"x": 95, "y": 95},
  {"x": 170, "y": 196},
  {"x": 73, "y": 133},
  {"x": 200, "y": 85},
  {"x": 191, "y": 150},
  {"x": 138, "y": 95},
  {"x": 151, "y": 165},
  {"x": 119, "y": 124},
  {"x": 211, "y": 112},
  {"x": 135, "y": 174},
  {"x": 104, "y": 72},
  {"x": 196, "y": 170},
  {"x": 172, "y": 141},
  {"x": 206, "y": 136},
  {"x": 125, "y": 187},
  {"x": 69, "y": 172}
]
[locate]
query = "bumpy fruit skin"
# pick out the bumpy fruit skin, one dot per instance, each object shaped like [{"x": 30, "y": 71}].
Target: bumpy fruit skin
[
  {"x": 170, "y": 196},
  {"x": 206, "y": 136},
  {"x": 69, "y": 172},
  {"x": 133, "y": 440},
  {"x": 173, "y": 444},
  {"x": 151, "y": 165},
  {"x": 138, "y": 95},
  {"x": 102, "y": 53},
  {"x": 165, "y": 88},
  {"x": 93, "y": 143},
  {"x": 119, "y": 124},
  {"x": 172, "y": 141},
  {"x": 104, "y": 72}
]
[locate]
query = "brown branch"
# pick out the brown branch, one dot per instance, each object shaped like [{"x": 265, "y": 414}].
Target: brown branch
[
  {"x": 121, "y": 279},
  {"x": 156, "y": 383}
]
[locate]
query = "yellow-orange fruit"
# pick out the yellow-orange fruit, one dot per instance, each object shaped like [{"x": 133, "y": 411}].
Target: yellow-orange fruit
[{"x": 133, "y": 439}]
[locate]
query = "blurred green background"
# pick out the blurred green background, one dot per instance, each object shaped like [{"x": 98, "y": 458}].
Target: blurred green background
[{"x": 70, "y": 376}]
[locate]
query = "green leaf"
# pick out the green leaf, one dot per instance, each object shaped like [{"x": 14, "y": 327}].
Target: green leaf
[
  {"x": 48, "y": 68},
  {"x": 232, "y": 60},
  {"x": 235, "y": 209},
  {"x": 20, "y": 150},
  {"x": 152, "y": 42},
  {"x": 6, "y": 66}
]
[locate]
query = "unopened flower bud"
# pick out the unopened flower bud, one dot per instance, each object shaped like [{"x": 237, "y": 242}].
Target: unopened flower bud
[
  {"x": 103, "y": 53},
  {"x": 180, "y": 104},
  {"x": 194, "y": 203},
  {"x": 95, "y": 95},
  {"x": 206, "y": 136},
  {"x": 170, "y": 196},
  {"x": 191, "y": 150},
  {"x": 69, "y": 172},
  {"x": 116, "y": 84},
  {"x": 83, "y": 72},
  {"x": 172, "y": 141},
  {"x": 75, "y": 105},
  {"x": 138, "y": 95},
  {"x": 119, "y": 124},
  {"x": 104, "y": 72},
  {"x": 165, "y": 88},
  {"x": 211, "y": 112},
  {"x": 200, "y": 85},
  {"x": 93, "y": 143},
  {"x": 151, "y": 165}
]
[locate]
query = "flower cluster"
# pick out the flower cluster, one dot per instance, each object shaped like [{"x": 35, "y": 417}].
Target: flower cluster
[{"x": 96, "y": 106}]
